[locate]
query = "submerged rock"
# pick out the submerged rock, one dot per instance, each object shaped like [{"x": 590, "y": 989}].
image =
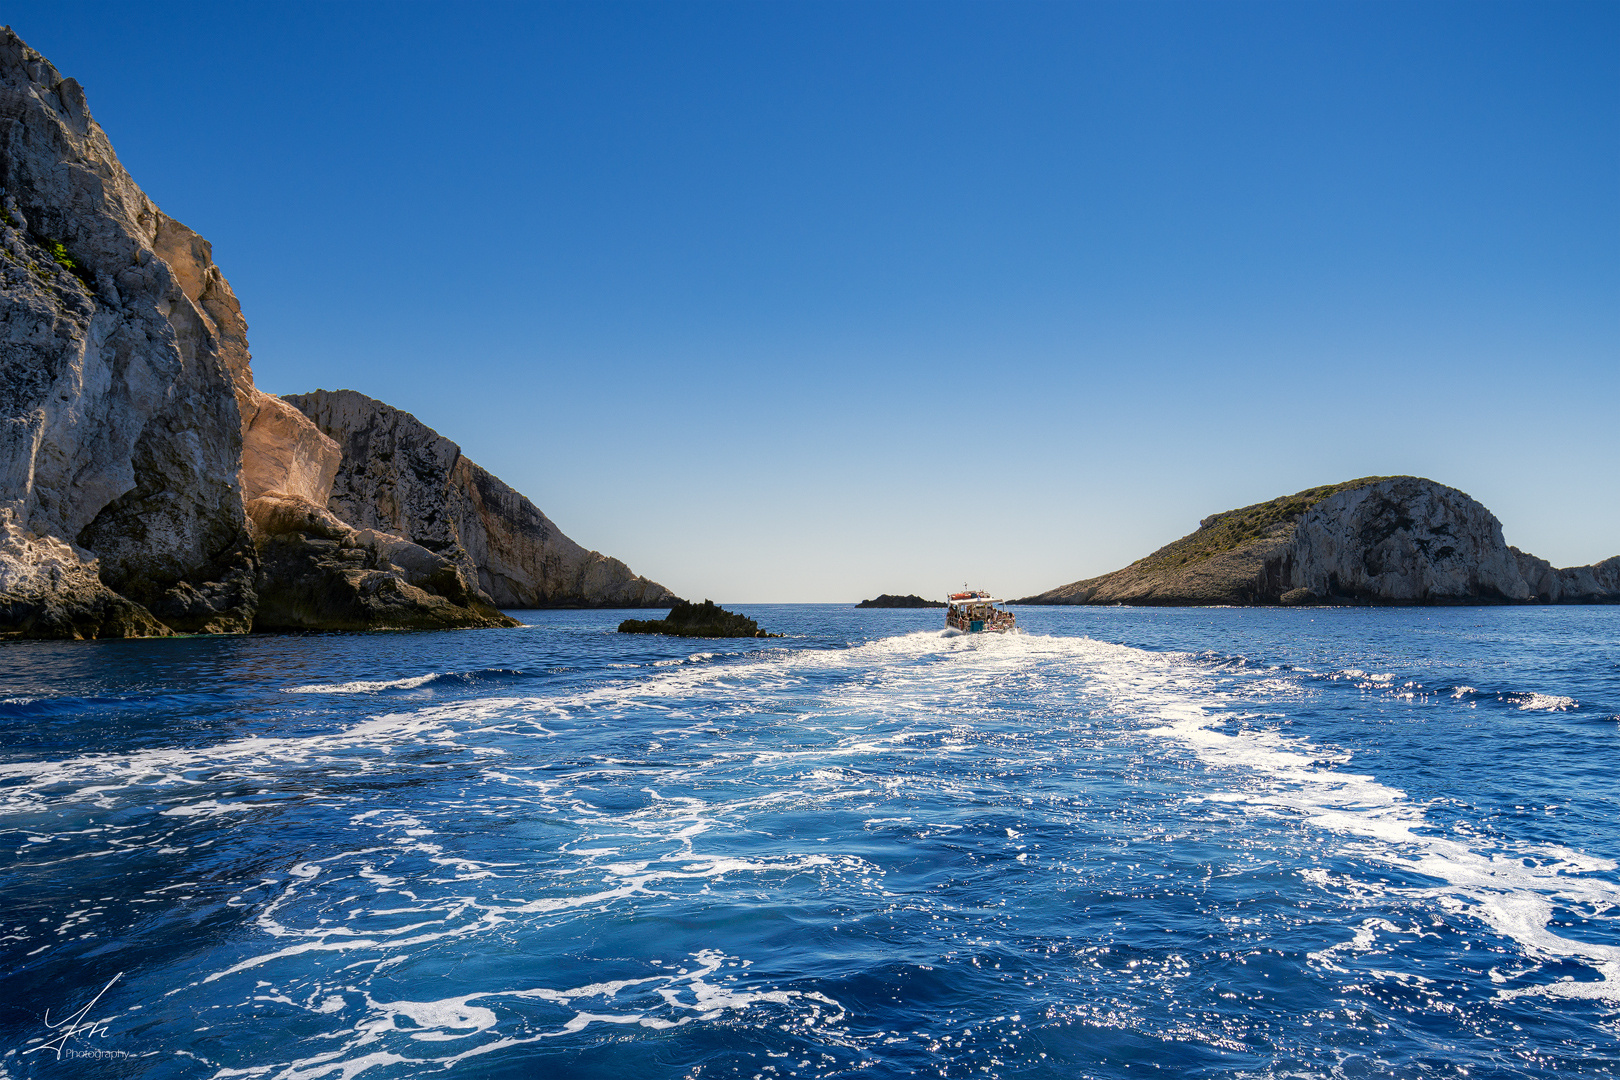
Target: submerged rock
[
  {"x": 1377, "y": 540},
  {"x": 697, "y": 620},
  {"x": 910, "y": 600}
]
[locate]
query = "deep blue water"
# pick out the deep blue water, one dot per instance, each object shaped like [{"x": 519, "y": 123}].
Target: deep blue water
[{"x": 1123, "y": 842}]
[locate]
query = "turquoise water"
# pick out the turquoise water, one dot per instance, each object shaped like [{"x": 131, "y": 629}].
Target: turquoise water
[{"x": 1122, "y": 842}]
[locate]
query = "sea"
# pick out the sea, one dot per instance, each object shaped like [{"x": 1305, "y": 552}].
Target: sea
[{"x": 1122, "y": 842}]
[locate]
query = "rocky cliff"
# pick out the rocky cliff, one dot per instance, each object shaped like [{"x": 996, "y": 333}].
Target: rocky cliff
[
  {"x": 1377, "y": 540},
  {"x": 400, "y": 476},
  {"x": 146, "y": 485}
]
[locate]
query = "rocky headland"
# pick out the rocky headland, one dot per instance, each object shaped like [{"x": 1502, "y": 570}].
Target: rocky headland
[
  {"x": 707, "y": 619},
  {"x": 910, "y": 600},
  {"x": 148, "y": 487},
  {"x": 400, "y": 476},
  {"x": 1385, "y": 540}
]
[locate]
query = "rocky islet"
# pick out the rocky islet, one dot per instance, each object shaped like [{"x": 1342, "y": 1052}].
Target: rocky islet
[
  {"x": 1384, "y": 540},
  {"x": 707, "y": 620},
  {"x": 890, "y": 600}
]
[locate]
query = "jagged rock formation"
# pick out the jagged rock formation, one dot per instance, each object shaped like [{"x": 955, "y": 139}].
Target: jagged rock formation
[
  {"x": 320, "y": 573},
  {"x": 401, "y": 476},
  {"x": 707, "y": 619},
  {"x": 910, "y": 600},
  {"x": 1377, "y": 540},
  {"x": 131, "y": 435}
]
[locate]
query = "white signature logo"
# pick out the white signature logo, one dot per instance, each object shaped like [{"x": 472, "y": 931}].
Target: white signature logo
[{"x": 73, "y": 1025}]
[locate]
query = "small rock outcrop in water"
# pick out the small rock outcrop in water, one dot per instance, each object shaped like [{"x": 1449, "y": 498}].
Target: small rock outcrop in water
[
  {"x": 146, "y": 485},
  {"x": 910, "y": 600},
  {"x": 697, "y": 620},
  {"x": 1378, "y": 540},
  {"x": 400, "y": 476}
]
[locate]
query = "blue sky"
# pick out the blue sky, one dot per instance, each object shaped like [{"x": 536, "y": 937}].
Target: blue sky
[{"x": 805, "y": 302}]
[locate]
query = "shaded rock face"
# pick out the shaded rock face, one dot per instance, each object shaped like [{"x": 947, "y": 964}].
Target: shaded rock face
[
  {"x": 1380, "y": 540},
  {"x": 130, "y": 428},
  {"x": 400, "y": 476}
]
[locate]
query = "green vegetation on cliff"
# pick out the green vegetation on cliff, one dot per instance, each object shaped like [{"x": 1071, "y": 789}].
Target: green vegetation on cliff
[{"x": 1220, "y": 533}]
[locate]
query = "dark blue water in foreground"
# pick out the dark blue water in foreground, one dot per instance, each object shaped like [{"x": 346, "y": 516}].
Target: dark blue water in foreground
[{"x": 1121, "y": 843}]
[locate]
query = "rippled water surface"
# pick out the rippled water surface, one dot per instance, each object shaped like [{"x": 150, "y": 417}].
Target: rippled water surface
[{"x": 1123, "y": 841}]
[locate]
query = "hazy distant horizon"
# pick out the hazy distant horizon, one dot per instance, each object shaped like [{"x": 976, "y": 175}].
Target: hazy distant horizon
[{"x": 811, "y": 302}]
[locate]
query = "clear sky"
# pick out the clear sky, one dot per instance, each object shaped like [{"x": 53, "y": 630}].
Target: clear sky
[{"x": 807, "y": 302}]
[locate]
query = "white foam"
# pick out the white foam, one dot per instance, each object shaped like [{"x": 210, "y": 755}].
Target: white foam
[
  {"x": 659, "y": 1004},
  {"x": 363, "y": 687},
  {"x": 1514, "y": 892},
  {"x": 1543, "y": 702}
]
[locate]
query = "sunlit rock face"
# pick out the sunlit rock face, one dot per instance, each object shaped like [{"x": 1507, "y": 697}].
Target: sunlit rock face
[
  {"x": 401, "y": 476},
  {"x": 131, "y": 434},
  {"x": 1403, "y": 540},
  {"x": 1378, "y": 540}
]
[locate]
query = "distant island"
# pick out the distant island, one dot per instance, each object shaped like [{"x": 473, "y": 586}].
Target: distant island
[
  {"x": 1381, "y": 540},
  {"x": 910, "y": 600},
  {"x": 707, "y": 619}
]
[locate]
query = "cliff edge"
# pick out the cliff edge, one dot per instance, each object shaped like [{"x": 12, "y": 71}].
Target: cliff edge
[{"x": 1376, "y": 540}]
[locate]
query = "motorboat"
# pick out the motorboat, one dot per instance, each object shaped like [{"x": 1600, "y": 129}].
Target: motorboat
[{"x": 974, "y": 611}]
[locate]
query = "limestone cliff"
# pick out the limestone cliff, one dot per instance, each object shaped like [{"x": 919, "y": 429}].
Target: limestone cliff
[
  {"x": 401, "y": 476},
  {"x": 1377, "y": 540},
  {"x": 131, "y": 435}
]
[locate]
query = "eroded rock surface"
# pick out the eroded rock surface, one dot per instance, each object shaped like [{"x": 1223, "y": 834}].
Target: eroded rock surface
[
  {"x": 1378, "y": 540},
  {"x": 400, "y": 476},
  {"x": 47, "y": 589}
]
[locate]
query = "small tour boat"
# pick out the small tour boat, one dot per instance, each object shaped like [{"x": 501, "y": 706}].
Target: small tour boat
[{"x": 972, "y": 611}]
